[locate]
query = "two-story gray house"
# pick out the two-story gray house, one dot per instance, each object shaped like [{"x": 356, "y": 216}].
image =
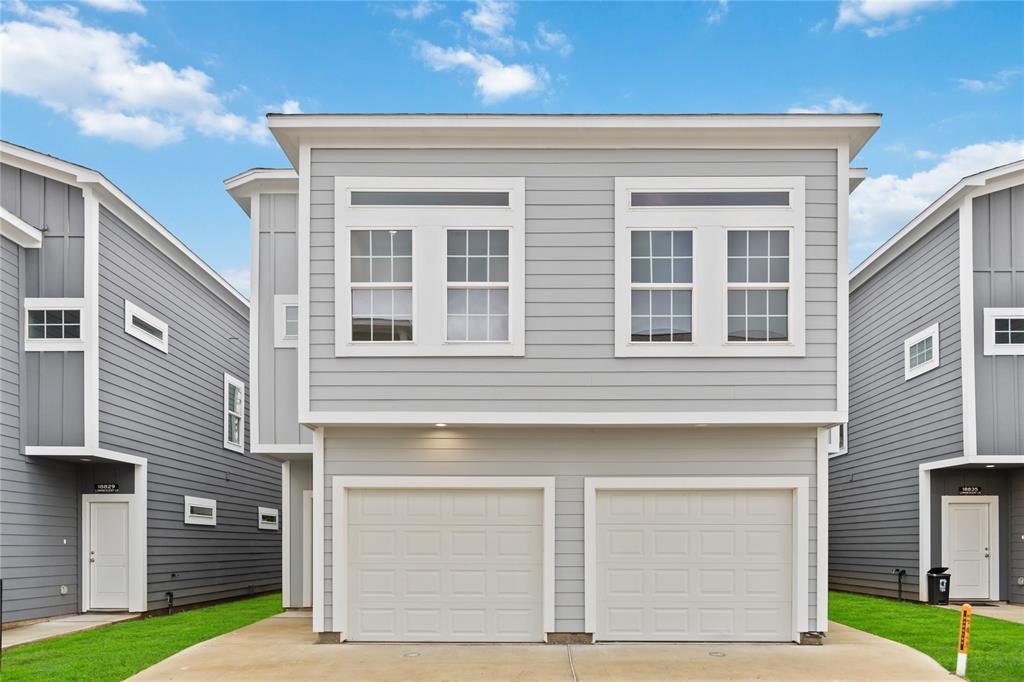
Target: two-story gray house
[
  {"x": 932, "y": 474},
  {"x": 548, "y": 376},
  {"x": 125, "y": 479}
]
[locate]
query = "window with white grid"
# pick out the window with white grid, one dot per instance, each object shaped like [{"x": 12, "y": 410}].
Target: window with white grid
[
  {"x": 661, "y": 282},
  {"x": 758, "y": 274},
  {"x": 477, "y": 296},
  {"x": 381, "y": 270}
]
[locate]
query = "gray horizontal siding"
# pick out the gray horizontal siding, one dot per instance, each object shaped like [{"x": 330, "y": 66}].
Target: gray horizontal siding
[
  {"x": 169, "y": 409},
  {"x": 569, "y": 293},
  {"x": 895, "y": 424},
  {"x": 1016, "y": 589},
  {"x": 38, "y": 511},
  {"x": 998, "y": 283},
  {"x": 570, "y": 454}
]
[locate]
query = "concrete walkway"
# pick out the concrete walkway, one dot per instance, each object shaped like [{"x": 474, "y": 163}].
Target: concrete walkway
[
  {"x": 1003, "y": 611},
  {"x": 281, "y": 648},
  {"x": 58, "y": 627}
]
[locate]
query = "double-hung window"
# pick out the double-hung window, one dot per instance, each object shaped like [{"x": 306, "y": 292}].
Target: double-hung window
[
  {"x": 429, "y": 266},
  {"x": 234, "y": 414},
  {"x": 709, "y": 267},
  {"x": 54, "y": 324},
  {"x": 1004, "y": 331}
]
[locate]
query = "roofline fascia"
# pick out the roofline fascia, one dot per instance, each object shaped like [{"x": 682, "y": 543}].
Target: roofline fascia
[{"x": 245, "y": 185}]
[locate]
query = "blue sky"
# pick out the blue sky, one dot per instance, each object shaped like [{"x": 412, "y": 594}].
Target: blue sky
[{"x": 167, "y": 98}]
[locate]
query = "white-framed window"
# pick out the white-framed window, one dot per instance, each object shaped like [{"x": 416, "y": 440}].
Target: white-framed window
[
  {"x": 200, "y": 511},
  {"x": 921, "y": 352},
  {"x": 145, "y": 326},
  {"x": 429, "y": 266},
  {"x": 837, "y": 440},
  {"x": 268, "y": 518},
  {"x": 709, "y": 267},
  {"x": 1004, "y": 331},
  {"x": 234, "y": 413},
  {"x": 54, "y": 324},
  {"x": 286, "y": 321}
]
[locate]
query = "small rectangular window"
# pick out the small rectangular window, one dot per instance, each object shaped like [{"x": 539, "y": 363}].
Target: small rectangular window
[
  {"x": 1004, "y": 331},
  {"x": 268, "y": 518},
  {"x": 286, "y": 321},
  {"x": 54, "y": 324},
  {"x": 234, "y": 414},
  {"x": 921, "y": 352},
  {"x": 381, "y": 270},
  {"x": 477, "y": 297},
  {"x": 145, "y": 326},
  {"x": 757, "y": 309},
  {"x": 431, "y": 198},
  {"x": 200, "y": 511},
  {"x": 708, "y": 199}
]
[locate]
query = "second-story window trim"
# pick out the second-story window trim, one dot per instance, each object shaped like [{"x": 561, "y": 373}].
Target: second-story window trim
[
  {"x": 145, "y": 326},
  {"x": 429, "y": 266},
  {"x": 921, "y": 352},
  {"x": 234, "y": 413},
  {"x": 718, "y": 213},
  {"x": 54, "y": 324},
  {"x": 1004, "y": 331}
]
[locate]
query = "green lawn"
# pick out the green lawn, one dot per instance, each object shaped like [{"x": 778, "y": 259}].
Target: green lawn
[
  {"x": 996, "y": 647},
  {"x": 119, "y": 651}
]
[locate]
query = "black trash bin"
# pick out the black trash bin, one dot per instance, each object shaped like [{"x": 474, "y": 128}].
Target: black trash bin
[{"x": 938, "y": 585}]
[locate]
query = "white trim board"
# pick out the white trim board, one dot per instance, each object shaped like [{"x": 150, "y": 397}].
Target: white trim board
[
  {"x": 965, "y": 235},
  {"x": 821, "y": 536},
  {"x": 307, "y": 548},
  {"x": 801, "y": 516},
  {"x": 18, "y": 231},
  {"x": 993, "y": 537},
  {"x": 286, "y": 533},
  {"x": 339, "y": 540},
  {"x": 574, "y": 418}
]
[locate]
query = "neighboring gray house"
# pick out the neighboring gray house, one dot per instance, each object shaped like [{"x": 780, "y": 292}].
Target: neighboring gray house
[
  {"x": 555, "y": 375},
  {"x": 933, "y": 474},
  {"x": 124, "y": 470}
]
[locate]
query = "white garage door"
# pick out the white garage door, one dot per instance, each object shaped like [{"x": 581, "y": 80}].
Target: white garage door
[
  {"x": 694, "y": 565},
  {"x": 445, "y": 565}
]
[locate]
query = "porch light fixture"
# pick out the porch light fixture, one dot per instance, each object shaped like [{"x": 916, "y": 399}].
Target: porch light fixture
[{"x": 440, "y": 425}]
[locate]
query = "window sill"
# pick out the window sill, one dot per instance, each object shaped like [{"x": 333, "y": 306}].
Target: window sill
[
  {"x": 55, "y": 345},
  {"x": 233, "y": 447},
  {"x": 755, "y": 349},
  {"x": 413, "y": 349}
]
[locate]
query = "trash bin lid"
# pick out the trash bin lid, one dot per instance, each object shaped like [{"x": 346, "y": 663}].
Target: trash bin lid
[{"x": 937, "y": 570}]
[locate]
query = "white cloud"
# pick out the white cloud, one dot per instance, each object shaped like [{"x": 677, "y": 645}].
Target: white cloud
[
  {"x": 924, "y": 154},
  {"x": 883, "y": 204},
  {"x": 133, "y": 6},
  {"x": 998, "y": 82},
  {"x": 553, "y": 40},
  {"x": 99, "y": 78},
  {"x": 421, "y": 9},
  {"x": 835, "y": 105},
  {"x": 239, "y": 278},
  {"x": 289, "y": 106},
  {"x": 494, "y": 19},
  {"x": 877, "y": 18},
  {"x": 495, "y": 81},
  {"x": 716, "y": 14}
]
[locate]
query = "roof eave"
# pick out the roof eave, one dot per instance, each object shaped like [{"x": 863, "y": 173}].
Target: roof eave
[{"x": 243, "y": 186}]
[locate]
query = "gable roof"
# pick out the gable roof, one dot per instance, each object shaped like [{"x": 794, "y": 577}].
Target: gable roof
[
  {"x": 929, "y": 218},
  {"x": 145, "y": 224}
]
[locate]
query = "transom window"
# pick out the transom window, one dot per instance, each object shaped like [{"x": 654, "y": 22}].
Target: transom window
[
  {"x": 286, "y": 321},
  {"x": 429, "y": 266},
  {"x": 477, "y": 297},
  {"x": 661, "y": 282},
  {"x": 145, "y": 326},
  {"x": 234, "y": 413},
  {"x": 54, "y": 324},
  {"x": 710, "y": 266},
  {"x": 1004, "y": 331},
  {"x": 758, "y": 273},
  {"x": 921, "y": 352},
  {"x": 381, "y": 285}
]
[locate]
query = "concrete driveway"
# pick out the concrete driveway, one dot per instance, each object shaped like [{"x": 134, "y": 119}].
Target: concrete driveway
[{"x": 281, "y": 648}]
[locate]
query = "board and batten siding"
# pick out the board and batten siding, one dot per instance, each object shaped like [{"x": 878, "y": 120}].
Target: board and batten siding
[
  {"x": 570, "y": 364},
  {"x": 54, "y": 386},
  {"x": 998, "y": 283},
  {"x": 570, "y": 454},
  {"x": 278, "y": 367},
  {"x": 895, "y": 424},
  {"x": 168, "y": 408},
  {"x": 38, "y": 510}
]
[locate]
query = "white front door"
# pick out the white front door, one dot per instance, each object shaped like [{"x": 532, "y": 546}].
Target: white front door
[
  {"x": 108, "y": 555},
  {"x": 968, "y": 550},
  {"x": 445, "y": 565},
  {"x": 694, "y": 565}
]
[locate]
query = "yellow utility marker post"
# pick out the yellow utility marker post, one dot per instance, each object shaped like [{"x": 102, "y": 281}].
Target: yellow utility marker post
[{"x": 965, "y": 637}]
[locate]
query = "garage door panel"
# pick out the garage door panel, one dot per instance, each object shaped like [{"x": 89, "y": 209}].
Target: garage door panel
[
  {"x": 694, "y": 565},
  {"x": 474, "y": 573}
]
